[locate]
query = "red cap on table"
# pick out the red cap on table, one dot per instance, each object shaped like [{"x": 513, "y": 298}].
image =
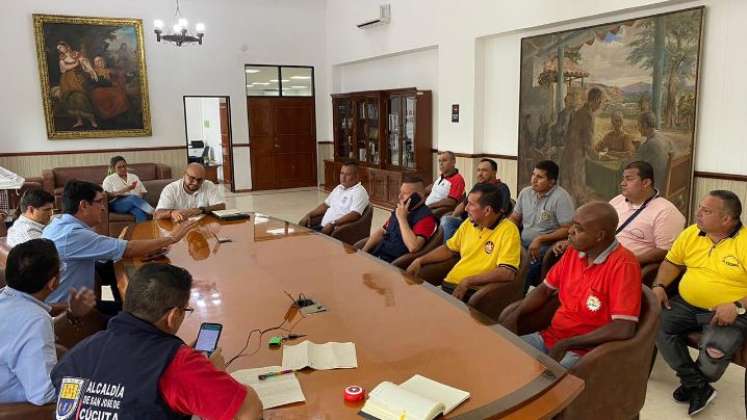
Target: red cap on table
[{"x": 354, "y": 393}]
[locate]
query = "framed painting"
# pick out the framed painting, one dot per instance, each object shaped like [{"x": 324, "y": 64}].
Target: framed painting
[
  {"x": 93, "y": 76},
  {"x": 594, "y": 99}
]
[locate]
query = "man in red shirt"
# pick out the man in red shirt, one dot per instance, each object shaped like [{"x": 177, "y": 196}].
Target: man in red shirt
[
  {"x": 138, "y": 369},
  {"x": 599, "y": 287},
  {"x": 448, "y": 189}
]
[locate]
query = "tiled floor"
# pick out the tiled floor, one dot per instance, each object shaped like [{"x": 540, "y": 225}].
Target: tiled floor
[{"x": 729, "y": 404}]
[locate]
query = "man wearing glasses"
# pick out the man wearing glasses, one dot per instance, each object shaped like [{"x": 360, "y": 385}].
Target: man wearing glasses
[
  {"x": 142, "y": 369},
  {"x": 37, "y": 206},
  {"x": 190, "y": 196},
  {"x": 80, "y": 247}
]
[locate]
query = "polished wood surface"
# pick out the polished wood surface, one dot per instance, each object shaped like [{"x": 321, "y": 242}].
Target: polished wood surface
[{"x": 399, "y": 326}]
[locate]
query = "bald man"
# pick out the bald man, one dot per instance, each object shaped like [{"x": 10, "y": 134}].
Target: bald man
[
  {"x": 599, "y": 286},
  {"x": 189, "y": 196}
]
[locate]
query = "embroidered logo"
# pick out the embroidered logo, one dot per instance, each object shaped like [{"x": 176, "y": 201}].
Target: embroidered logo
[
  {"x": 731, "y": 261},
  {"x": 545, "y": 216},
  {"x": 489, "y": 246},
  {"x": 69, "y": 398},
  {"x": 593, "y": 303}
]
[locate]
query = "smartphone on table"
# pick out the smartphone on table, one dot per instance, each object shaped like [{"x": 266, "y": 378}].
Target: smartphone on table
[{"x": 207, "y": 338}]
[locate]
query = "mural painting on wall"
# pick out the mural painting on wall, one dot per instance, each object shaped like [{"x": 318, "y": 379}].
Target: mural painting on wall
[
  {"x": 595, "y": 99},
  {"x": 93, "y": 76}
]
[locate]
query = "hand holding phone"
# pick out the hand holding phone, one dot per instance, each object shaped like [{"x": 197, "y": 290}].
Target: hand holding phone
[
  {"x": 207, "y": 338},
  {"x": 414, "y": 199}
]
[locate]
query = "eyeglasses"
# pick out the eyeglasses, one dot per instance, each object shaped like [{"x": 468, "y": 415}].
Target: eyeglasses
[
  {"x": 191, "y": 178},
  {"x": 187, "y": 310}
]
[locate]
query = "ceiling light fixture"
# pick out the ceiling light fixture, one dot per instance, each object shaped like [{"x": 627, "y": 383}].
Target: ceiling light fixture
[
  {"x": 180, "y": 33},
  {"x": 251, "y": 71},
  {"x": 300, "y": 77}
]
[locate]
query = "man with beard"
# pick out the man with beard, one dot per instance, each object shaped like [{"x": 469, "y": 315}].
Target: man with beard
[{"x": 189, "y": 196}]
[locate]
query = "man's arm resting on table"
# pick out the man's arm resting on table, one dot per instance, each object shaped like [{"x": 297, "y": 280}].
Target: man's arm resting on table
[
  {"x": 446, "y": 202},
  {"x": 166, "y": 213},
  {"x": 651, "y": 256},
  {"x": 374, "y": 239}
]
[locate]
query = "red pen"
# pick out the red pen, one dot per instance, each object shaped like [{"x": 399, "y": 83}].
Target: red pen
[{"x": 270, "y": 374}]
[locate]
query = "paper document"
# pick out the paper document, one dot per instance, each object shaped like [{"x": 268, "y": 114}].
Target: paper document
[
  {"x": 226, "y": 212},
  {"x": 106, "y": 294},
  {"x": 319, "y": 356},
  {"x": 449, "y": 396},
  {"x": 273, "y": 391}
]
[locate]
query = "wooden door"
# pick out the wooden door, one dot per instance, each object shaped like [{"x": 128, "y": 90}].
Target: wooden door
[
  {"x": 225, "y": 142},
  {"x": 282, "y": 135}
]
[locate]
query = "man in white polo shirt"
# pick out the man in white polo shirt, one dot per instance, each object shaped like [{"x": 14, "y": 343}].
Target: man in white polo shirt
[
  {"x": 189, "y": 196},
  {"x": 345, "y": 204}
]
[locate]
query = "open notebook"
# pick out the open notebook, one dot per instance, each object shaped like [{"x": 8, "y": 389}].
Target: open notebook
[{"x": 418, "y": 398}]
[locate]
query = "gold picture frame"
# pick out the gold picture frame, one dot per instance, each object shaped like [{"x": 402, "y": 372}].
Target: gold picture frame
[{"x": 93, "y": 76}]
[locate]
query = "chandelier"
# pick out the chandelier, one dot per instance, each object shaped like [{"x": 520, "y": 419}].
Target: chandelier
[{"x": 180, "y": 30}]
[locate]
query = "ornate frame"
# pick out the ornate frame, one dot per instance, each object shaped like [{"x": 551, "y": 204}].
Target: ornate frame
[{"x": 40, "y": 20}]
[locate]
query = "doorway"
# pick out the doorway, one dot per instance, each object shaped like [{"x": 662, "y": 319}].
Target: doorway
[
  {"x": 282, "y": 126},
  {"x": 207, "y": 124}
]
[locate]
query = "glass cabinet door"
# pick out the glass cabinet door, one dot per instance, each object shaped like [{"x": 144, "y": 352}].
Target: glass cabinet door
[
  {"x": 395, "y": 131},
  {"x": 408, "y": 137},
  {"x": 360, "y": 132},
  {"x": 343, "y": 128},
  {"x": 372, "y": 131}
]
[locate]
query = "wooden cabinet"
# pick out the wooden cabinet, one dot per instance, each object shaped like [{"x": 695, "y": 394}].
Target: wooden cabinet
[{"x": 388, "y": 132}]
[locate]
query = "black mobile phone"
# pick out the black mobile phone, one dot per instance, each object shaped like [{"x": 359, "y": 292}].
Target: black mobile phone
[
  {"x": 415, "y": 199},
  {"x": 207, "y": 338}
]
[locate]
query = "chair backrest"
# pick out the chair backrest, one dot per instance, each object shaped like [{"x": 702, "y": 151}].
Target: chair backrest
[
  {"x": 678, "y": 178},
  {"x": 97, "y": 173},
  {"x": 616, "y": 373},
  {"x": 4, "y": 250}
]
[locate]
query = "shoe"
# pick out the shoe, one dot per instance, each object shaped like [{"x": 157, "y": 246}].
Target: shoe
[
  {"x": 681, "y": 394},
  {"x": 700, "y": 398}
]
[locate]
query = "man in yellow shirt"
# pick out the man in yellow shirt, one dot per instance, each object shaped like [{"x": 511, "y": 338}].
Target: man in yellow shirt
[
  {"x": 488, "y": 244},
  {"x": 712, "y": 297}
]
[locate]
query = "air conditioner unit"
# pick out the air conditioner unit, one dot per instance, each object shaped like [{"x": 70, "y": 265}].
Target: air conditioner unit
[{"x": 384, "y": 18}]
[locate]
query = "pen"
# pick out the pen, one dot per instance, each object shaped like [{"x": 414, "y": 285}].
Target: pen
[{"x": 270, "y": 374}]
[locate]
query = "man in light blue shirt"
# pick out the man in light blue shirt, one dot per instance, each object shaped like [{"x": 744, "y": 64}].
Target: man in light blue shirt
[
  {"x": 80, "y": 247},
  {"x": 27, "y": 347}
]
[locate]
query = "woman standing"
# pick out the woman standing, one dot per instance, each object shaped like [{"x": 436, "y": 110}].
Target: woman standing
[
  {"x": 75, "y": 69},
  {"x": 126, "y": 191}
]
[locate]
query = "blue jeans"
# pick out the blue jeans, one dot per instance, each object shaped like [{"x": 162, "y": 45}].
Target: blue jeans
[
  {"x": 535, "y": 267},
  {"x": 450, "y": 224},
  {"x": 535, "y": 340},
  {"x": 133, "y": 205}
]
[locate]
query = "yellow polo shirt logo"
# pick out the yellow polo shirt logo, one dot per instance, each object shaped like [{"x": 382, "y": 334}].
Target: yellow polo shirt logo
[
  {"x": 731, "y": 261},
  {"x": 489, "y": 245}
]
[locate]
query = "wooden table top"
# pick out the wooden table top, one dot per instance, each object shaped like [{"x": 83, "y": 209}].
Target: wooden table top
[{"x": 399, "y": 325}]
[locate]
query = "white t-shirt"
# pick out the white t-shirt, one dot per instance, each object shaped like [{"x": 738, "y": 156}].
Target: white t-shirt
[
  {"x": 114, "y": 183},
  {"x": 342, "y": 201},
  {"x": 174, "y": 197}
]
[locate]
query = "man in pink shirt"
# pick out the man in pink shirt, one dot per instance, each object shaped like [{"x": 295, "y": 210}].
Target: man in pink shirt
[{"x": 648, "y": 223}]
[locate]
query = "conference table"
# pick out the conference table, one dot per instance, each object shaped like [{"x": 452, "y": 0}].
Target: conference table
[{"x": 400, "y": 325}]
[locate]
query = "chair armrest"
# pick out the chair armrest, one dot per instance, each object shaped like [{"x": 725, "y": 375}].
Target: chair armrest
[
  {"x": 48, "y": 180},
  {"x": 492, "y": 298},
  {"x": 436, "y": 272},
  {"x": 532, "y": 321},
  {"x": 315, "y": 220},
  {"x": 405, "y": 260},
  {"x": 163, "y": 171},
  {"x": 27, "y": 411}
]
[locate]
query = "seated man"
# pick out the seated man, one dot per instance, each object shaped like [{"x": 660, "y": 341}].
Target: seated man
[
  {"x": 409, "y": 226},
  {"x": 345, "y": 204},
  {"x": 155, "y": 374},
  {"x": 599, "y": 286},
  {"x": 27, "y": 337},
  {"x": 448, "y": 189},
  {"x": 488, "y": 246},
  {"x": 544, "y": 211},
  {"x": 189, "y": 196},
  {"x": 616, "y": 143},
  {"x": 712, "y": 297},
  {"x": 80, "y": 247},
  {"x": 648, "y": 222},
  {"x": 37, "y": 206},
  {"x": 486, "y": 171}
]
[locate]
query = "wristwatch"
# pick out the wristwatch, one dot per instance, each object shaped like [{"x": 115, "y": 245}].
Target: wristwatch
[
  {"x": 740, "y": 308},
  {"x": 203, "y": 210},
  {"x": 658, "y": 285}
]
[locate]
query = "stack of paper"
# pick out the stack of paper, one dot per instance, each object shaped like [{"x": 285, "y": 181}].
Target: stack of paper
[
  {"x": 273, "y": 391},
  {"x": 319, "y": 356}
]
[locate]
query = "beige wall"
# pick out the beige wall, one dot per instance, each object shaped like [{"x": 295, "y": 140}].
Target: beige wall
[{"x": 32, "y": 166}]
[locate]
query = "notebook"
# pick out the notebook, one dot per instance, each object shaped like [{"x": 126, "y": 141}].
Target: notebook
[
  {"x": 273, "y": 391},
  {"x": 230, "y": 214},
  {"x": 418, "y": 398},
  {"x": 319, "y": 356}
]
